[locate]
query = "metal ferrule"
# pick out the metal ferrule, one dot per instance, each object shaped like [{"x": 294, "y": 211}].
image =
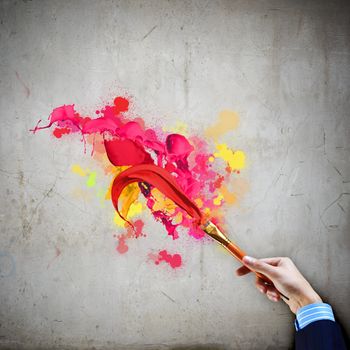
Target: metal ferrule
[{"x": 213, "y": 231}]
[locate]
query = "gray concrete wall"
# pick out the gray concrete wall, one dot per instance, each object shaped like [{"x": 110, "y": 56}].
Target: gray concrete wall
[{"x": 282, "y": 65}]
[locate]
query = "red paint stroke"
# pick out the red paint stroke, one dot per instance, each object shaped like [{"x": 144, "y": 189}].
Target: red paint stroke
[
  {"x": 159, "y": 178},
  {"x": 174, "y": 260}
]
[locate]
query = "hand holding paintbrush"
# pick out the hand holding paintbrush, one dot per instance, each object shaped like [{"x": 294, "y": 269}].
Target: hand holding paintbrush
[
  {"x": 286, "y": 279},
  {"x": 214, "y": 232}
]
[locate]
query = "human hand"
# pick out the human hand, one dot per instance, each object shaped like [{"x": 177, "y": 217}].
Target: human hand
[{"x": 286, "y": 279}]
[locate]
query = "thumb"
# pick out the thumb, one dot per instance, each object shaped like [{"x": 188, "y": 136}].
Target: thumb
[{"x": 259, "y": 266}]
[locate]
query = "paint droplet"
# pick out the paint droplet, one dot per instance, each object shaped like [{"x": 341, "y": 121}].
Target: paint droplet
[
  {"x": 58, "y": 132},
  {"x": 199, "y": 203},
  {"x": 218, "y": 199},
  {"x": 174, "y": 260},
  {"x": 234, "y": 159},
  {"x": 91, "y": 181},
  {"x": 122, "y": 247},
  {"x": 121, "y": 104},
  {"x": 134, "y": 232}
]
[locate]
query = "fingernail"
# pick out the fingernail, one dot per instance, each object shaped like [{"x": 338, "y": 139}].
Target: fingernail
[
  {"x": 261, "y": 290},
  {"x": 272, "y": 297},
  {"x": 249, "y": 259}
]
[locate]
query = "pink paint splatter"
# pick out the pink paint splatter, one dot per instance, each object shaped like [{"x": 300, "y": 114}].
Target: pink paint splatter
[
  {"x": 174, "y": 260},
  {"x": 135, "y": 232},
  {"x": 122, "y": 246}
]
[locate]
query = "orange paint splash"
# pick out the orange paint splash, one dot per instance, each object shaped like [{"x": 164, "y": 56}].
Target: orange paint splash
[{"x": 228, "y": 120}]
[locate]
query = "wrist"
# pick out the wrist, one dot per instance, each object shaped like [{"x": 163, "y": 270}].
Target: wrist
[{"x": 308, "y": 297}]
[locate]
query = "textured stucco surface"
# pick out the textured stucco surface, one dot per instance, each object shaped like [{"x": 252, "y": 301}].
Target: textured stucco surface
[{"x": 282, "y": 65}]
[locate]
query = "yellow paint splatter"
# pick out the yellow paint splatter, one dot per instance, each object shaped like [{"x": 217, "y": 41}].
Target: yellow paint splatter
[
  {"x": 199, "y": 202},
  {"x": 78, "y": 170},
  {"x": 238, "y": 188},
  {"x": 218, "y": 199},
  {"x": 234, "y": 159},
  {"x": 177, "y": 219},
  {"x": 118, "y": 220},
  {"x": 228, "y": 120},
  {"x": 135, "y": 209},
  {"x": 162, "y": 202},
  {"x": 91, "y": 181},
  {"x": 229, "y": 197},
  {"x": 207, "y": 211},
  {"x": 179, "y": 128}
]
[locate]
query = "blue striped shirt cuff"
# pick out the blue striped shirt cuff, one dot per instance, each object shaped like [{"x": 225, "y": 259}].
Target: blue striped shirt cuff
[{"x": 311, "y": 313}]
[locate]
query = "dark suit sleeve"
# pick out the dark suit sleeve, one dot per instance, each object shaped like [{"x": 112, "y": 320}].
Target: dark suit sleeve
[{"x": 320, "y": 335}]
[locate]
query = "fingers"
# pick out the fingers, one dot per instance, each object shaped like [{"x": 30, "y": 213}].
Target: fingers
[
  {"x": 266, "y": 266},
  {"x": 260, "y": 266},
  {"x": 261, "y": 286},
  {"x": 270, "y": 291},
  {"x": 272, "y": 261},
  {"x": 243, "y": 270}
]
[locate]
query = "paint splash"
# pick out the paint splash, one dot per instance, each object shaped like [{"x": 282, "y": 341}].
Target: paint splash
[
  {"x": 228, "y": 120},
  {"x": 118, "y": 140},
  {"x": 173, "y": 260}
]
